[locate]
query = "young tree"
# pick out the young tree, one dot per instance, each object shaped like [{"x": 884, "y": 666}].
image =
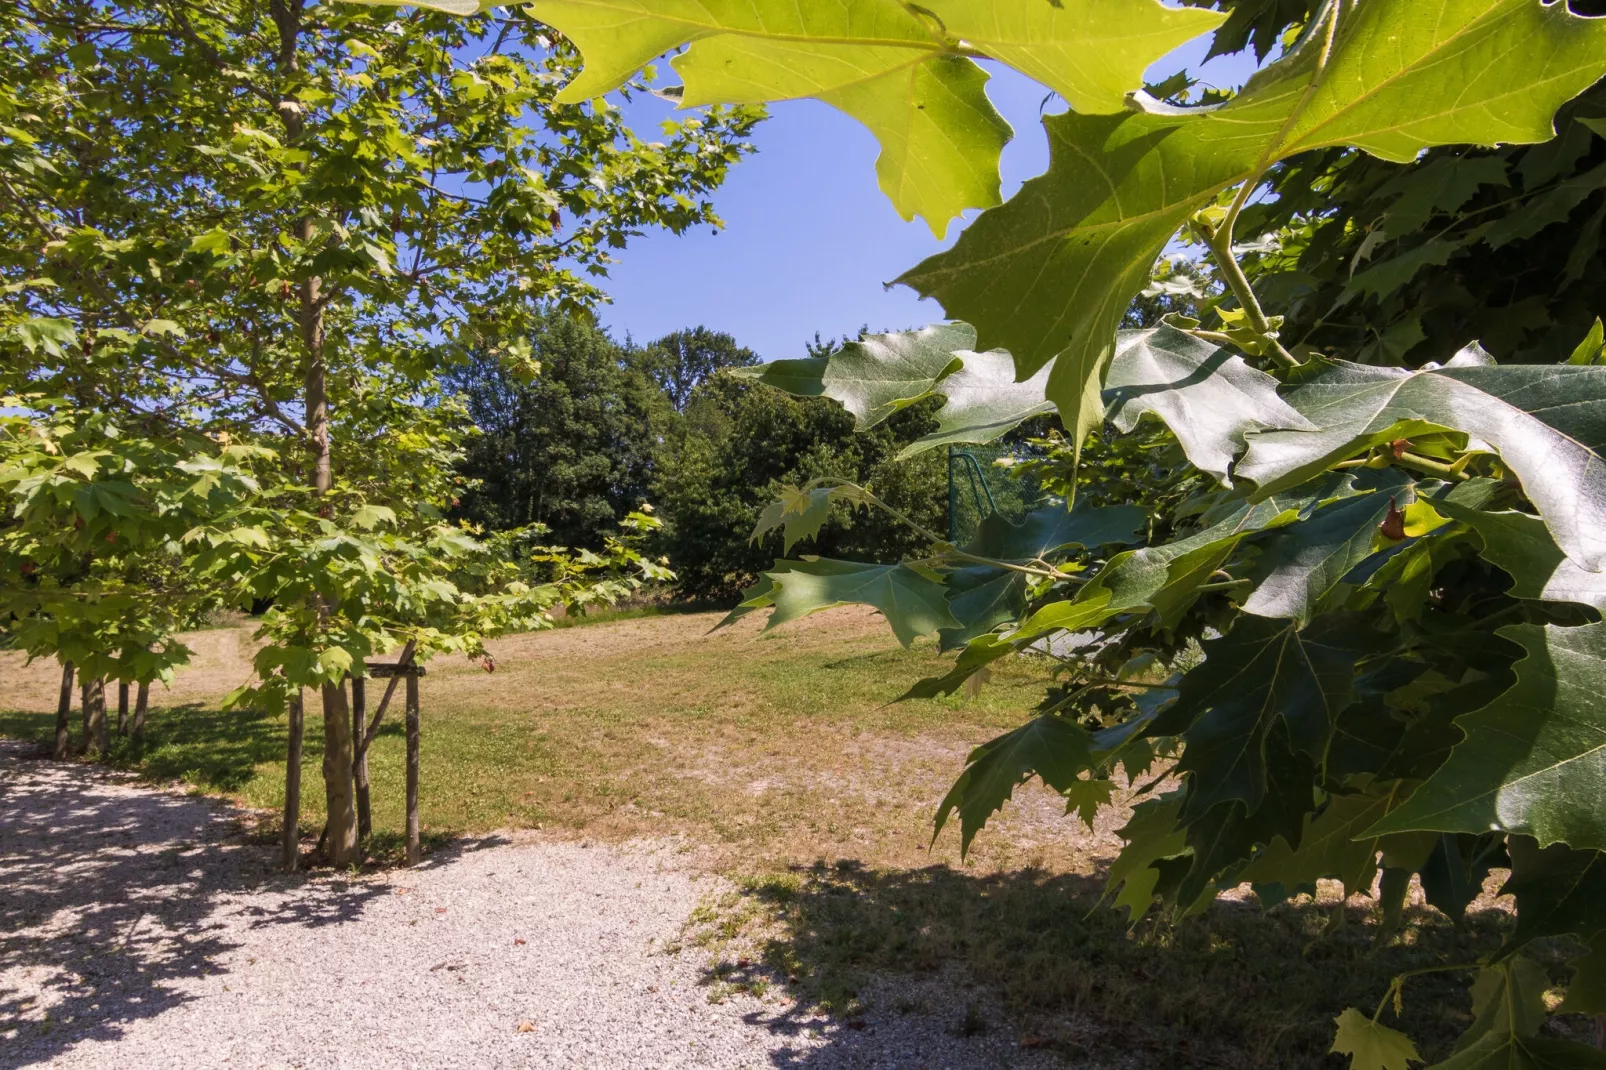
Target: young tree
[
  {"x": 91, "y": 559},
  {"x": 279, "y": 221}
]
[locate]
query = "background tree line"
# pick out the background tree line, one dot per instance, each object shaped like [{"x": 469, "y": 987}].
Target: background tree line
[{"x": 605, "y": 426}]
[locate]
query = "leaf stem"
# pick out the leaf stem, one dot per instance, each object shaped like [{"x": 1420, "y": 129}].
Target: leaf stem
[
  {"x": 1399, "y": 980},
  {"x": 1219, "y": 239},
  {"x": 1428, "y": 464},
  {"x": 1219, "y": 242},
  {"x": 871, "y": 499},
  {"x": 1046, "y": 572},
  {"x": 1028, "y": 570},
  {"x": 1213, "y": 336}
]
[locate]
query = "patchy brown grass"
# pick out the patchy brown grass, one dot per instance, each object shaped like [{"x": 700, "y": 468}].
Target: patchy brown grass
[{"x": 761, "y": 748}]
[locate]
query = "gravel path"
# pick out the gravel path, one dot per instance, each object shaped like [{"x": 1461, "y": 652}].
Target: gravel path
[{"x": 138, "y": 928}]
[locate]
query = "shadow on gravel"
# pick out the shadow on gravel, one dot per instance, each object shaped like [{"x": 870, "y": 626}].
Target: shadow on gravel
[
  {"x": 108, "y": 898},
  {"x": 1036, "y": 957}
]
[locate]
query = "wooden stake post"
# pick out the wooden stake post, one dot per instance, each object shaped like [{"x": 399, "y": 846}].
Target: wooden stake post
[
  {"x": 359, "y": 764},
  {"x": 292, "y": 784},
  {"x": 410, "y": 672}
]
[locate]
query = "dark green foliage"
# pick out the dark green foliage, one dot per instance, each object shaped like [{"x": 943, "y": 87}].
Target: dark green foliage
[
  {"x": 572, "y": 448},
  {"x": 677, "y": 362},
  {"x": 1390, "y": 263},
  {"x": 740, "y": 442}
]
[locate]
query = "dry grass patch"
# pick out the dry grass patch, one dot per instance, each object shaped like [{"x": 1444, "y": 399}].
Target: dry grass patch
[{"x": 765, "y": 749}]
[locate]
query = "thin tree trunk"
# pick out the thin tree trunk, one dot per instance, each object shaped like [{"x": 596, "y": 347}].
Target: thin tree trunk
[
  {"x": 359, "y": 715},
  {"x": 94, "y": 702},
  {"x": 342, "y": 844},
  {"x": 1600, "y": 1031},
  {"x": 337, "y": 749},
  {"x": 292, "y": 782},
  {"x": 122, "y": 707},
  {"x": 63, "y": 748},
  {"x": 142, "y": 702},
  {"x": 337, "y": 734},
  {"x": 413, "y": 853}
]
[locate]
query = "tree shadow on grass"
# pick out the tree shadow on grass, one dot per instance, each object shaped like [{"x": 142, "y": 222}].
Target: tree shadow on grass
[
  {"x": 1236, "y": 987},
  {"x": 112, "y": 901},
  {"x": 214, "y": 750}
]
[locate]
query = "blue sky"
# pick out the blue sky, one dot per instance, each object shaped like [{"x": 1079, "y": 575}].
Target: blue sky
[{"x": 809, "y": 240}]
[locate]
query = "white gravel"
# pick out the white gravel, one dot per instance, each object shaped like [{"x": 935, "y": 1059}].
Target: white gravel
[{"x": 138, "y": 928}]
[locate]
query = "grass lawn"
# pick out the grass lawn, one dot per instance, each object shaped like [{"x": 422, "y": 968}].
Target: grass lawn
[{"x": 779, "y": 760}]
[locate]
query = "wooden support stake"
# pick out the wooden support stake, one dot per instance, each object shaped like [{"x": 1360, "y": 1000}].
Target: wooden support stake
[
  {"x": 359, "y": 765},
  {"x": 103, "y": 725},
  {"x": 292, "y": 788},
  {"x": 142, "y": 702},
  {"x": 412, "y": 770},
  {"x": 122, "y": 707},
  {"x": 381, "y": 671},
  {"x": 63, "y": 715}
]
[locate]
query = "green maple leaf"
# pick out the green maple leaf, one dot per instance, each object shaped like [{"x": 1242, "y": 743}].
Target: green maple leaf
[
  {"x": 979, "y": 652},
  {"x": 901, "y": 71},
  {"x": 754, "y": 598},
  {"x": 1453, "y": 875},
  {"x": 1559, "y": 891},
  {"x": 1331, "y": 844},
  {"x": 1045, "y": 531},
  {"x": 1520, "y": 544},
  {"x": 1091, "y": 52},
  {"x": 1370, "y": 1045},
  {"x": 875, "y": 60},
  {"x": 1049, "y": 275},
  {"x": 1442, "y": 185},
  {"x": 1533, "y": 761},
  {"x": 1087, "y": 610},
  {"x": 1392, "y": 274},
  {"x": 1507, "y": 998},
  {"x": 1152, "y": 835},
  {"x": 801, "y": 513},
  {"x": 912, "y": 601},
  {"x": 875, "y": 376},
  {"x": 1592, "y": 350},
  {"x": 1586, "y": 992},
  {"x": 883, "y": 373},
  {"x": 981, "y": 596},
  {"x": 1548, "y": 424},
  {"x": 1050, "y": 747},
  {"x": 1207, "y": 396},
  {"x": 1300, "y": 564},
  {"x": 983, "y": 401},
  {"x": 1085, "y": 797},
  {"x": 1260, "y": 673},
  {"x": 1167, "y": 577}
]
